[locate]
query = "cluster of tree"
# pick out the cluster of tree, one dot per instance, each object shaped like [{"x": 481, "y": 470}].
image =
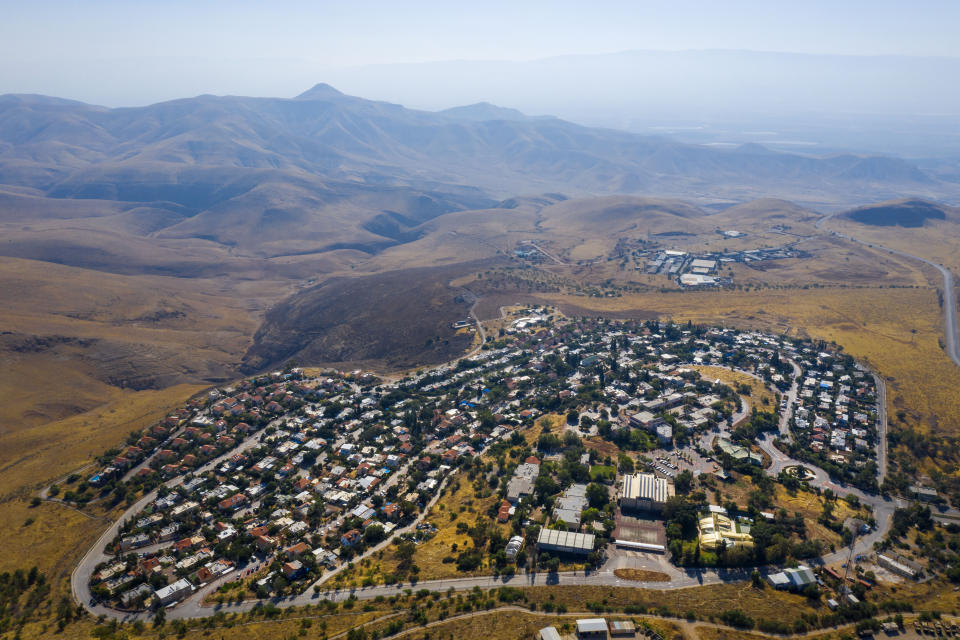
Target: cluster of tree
[{"x": 22, "y": 594}]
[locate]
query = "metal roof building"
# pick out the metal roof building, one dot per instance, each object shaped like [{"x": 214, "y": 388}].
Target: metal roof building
[
  {"x": 645, "y": 491},
  {"x": 565, "y": 541},
  {"x": 549, "y": 633},
  {"x": 592, "y": 628}
]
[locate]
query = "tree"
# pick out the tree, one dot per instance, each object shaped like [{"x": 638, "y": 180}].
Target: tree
[
  {"x": 626, "y": 464},
  {"x": 684, "y": 481},
  {"x": 597, "y": 495},
  {"x": 373, "y": 534}
]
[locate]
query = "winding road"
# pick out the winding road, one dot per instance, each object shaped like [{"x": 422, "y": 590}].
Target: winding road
[{"x": 949, "y": 296}]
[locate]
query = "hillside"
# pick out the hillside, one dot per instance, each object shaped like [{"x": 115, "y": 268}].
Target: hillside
[
  {"x": 274, "y": 163},
  {"x": 900, "y": 213}
]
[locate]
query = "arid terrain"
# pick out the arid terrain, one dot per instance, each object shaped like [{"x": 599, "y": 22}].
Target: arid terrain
[{"x": 146, "y": 254}]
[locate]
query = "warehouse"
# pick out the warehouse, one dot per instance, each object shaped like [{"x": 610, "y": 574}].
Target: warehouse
[
  {"x": 645, "y": 492},
  {"x": 570, "y": 505},
  {"x": 590, "y": 628},
  {"x": 703, "y": 266},
  {"x": 565, "y": 541},
  {"x": 696, "y": 280},
  {"x": 900, "y": 565}
]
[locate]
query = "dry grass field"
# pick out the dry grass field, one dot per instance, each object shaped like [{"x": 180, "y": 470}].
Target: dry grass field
[
  {"x": 513, "y": 625},
  {"x": 832, "y": 261},
  {"x": 809, "y": 505},
  {"x": 936, "y": 240},
  {"x": 30, "y": 458},
  {"x": 706, "y": 602},
  {"x": 706, "y": 632},
  {"x": 759, "y": 396}
]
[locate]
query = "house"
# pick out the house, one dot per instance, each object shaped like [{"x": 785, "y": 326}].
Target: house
[
  {"x": 521, "y": 484},
  {"x": 548, "y": 633},
  {"x": 622, "y": 629},
  {"x": 265, "y": 543},
  {"x": 134, "y": 542},
  {"x": 173, "y": 592},
  {"x": 391, "y": 511},
  {"x": 297, "y": 550},
  {"x": 149, "y": 564},
  {"x": 570, "y": 505},
  {"x": 139, "y": 594},
  {"x": 503, "y": 514},
  {"x": 351, "y": 538},
  {"x": 795, "y": 579},
  {"x": 233, "y": 503},
  {"x": 292, "y": 569}
]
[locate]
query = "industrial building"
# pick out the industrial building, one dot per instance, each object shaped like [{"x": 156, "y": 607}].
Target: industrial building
[
  {"x": 521, "y": 484},
  {"x": 645, "y": 492},
  {"x": 565, "y": 541},
  {"x": 592, "y": 629},
  {"x": 796, "y": 579},
  {"x": 570, "y": 505},
  {"x": 702, "y": 266},
  {"x": 899, "y": 565},
  {"x": 697, "y": 280}
]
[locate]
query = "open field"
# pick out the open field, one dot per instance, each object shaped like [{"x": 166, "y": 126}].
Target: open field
[
  {"x": 807, "y": 504},
  {"x": 513, "y": 624},
  {"x": 30, "y": 458},
  {"x": 759, "y": 395},
  {"x": 706, "y": 602},
  {"x": 706, "y": 632},
  {"x": 936, "y": 240}
]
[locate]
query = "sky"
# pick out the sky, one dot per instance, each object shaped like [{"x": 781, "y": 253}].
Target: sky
[{"x": 132, "y": 52}]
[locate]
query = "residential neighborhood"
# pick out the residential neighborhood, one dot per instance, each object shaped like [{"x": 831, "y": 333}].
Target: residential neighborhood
[{"x": 281, "y": 480}]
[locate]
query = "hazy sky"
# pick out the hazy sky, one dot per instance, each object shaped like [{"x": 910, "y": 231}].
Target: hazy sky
[{"x": 124, "y": 52}]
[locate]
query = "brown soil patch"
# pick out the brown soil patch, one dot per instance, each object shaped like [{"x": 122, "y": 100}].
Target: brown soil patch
[{"x": 641, "y": 575}]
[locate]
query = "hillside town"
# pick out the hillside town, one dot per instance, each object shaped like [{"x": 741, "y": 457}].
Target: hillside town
[{"x": 283, "y": 479}]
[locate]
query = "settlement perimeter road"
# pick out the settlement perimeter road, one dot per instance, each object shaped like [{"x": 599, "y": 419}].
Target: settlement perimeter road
[{"x": 949, "y": 295}]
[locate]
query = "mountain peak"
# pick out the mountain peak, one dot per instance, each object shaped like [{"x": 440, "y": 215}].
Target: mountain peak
[{"x": 320, "y": 91}]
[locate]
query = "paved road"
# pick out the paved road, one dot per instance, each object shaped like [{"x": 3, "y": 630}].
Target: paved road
[
  {"x": 949, "y": 295},
  {"x": 80, "y": 578}
]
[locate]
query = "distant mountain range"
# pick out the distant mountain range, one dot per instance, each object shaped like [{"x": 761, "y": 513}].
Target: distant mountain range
[{"x": 269, "y": 176}]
